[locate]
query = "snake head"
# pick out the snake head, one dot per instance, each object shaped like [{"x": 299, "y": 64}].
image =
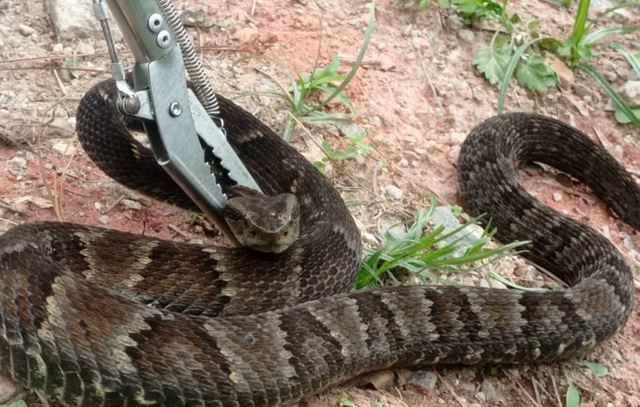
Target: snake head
[{"x": 265, "y": 223}]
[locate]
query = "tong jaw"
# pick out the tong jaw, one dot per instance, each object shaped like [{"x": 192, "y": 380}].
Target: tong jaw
[{"x": 174, "y": 118}]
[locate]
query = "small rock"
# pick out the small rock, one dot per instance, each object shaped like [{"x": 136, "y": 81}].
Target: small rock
[
  {"x": 532, "y": 273},
  {"x": 425, "y": 380},
  {"x": 466, "y": 35},
  {"x": 16, "y": 166},
  {"x": 620, "y": 16},
  {"x": 25, "y": 30},
  {"x": 394, "y": 192},
  {"x": 454, "y": 21},
  {"x": 565, "y": 74},
  {"x": 390, "y": 224},
  {"x": 397, "y": 231},
  {"x": 419, "y": 42},
  {"x": 380, "y": 380},
  {"x": 38, "y": 201},
  {"x": 557, "y": 196},
  {"x": 245, "y": 34},
  {"x": 375, "y": 121},
  {"x": 41, "y": 202},
  {"x": 457, "y": 138},
  {"x": 630, "y": 92},
  {"x": 171, "y": 211},
  {"x": 74, "y": 19},
  {"x": 443, "y": 216},
  {"x": 194, "y": 16},
  {"x": 347, "y": 129},
  {"x": 387, "y": 65},
  {"x": 407, "y": 30},
  {"x": 104, "y": 219},
  {"x": 85, "y": 47},
  {"x": 367, "y": 236},
  {"x": 581, "y": 90},
  {"x": 131, "y": 204},
  {"x": 611, "y": 76},
  {"x": 454, "y": 152},
  {"x": 491, "y": 394},
  {"x": 490, "y": 282},
  {"x": 63, "y": 147},
  {"x": 628, "y": 242},
  {"x": 597, "y": 8}
]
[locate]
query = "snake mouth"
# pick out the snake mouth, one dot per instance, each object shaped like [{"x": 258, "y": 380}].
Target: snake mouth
[
  {"x": 275, "y": 248},
  {"x": 269, "y": 242}
]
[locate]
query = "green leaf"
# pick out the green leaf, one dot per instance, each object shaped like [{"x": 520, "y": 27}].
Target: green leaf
[
  {"x": 19, "y": 403},
  {"x": 572, "y": 397},
  {"x": 320, "y": 166},
  {"x": 515, "y": 19},
  {"x": 70, "y": 64},
  {"x": 622, "y": 118},
  {"x": 468, "y": 7},
  {"x": 492, "y": 61},
  {"x": 343, "y": 401},
  {"x": 597, "y": 369},
  {"x": 510, "y": 69},
  {"x": 535, "y": 74}
]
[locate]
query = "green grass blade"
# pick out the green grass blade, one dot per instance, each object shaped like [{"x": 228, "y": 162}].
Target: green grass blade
[
  {"x": 633, "y": 61},
  {"x": 511, "y": 67},
  {"x": 619, "y": 102},
  {"x": 511, "y": 284},
  {"x": 607, "y": 32},
  {"x": 580, "y": 23},
  {"x": 371, "y": 27},
  {"x": 428, "y": 254},
  {"x": 621, "y": 6}
]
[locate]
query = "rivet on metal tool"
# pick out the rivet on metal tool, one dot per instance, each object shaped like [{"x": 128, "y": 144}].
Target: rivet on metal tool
[
  {"x": 164, "y": 39},
  {"x": 155, "y": 22},
  {"x": 175, "y": 109}
]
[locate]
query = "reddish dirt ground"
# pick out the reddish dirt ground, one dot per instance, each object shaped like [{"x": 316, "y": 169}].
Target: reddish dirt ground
[{"x": 417, "y": 95}]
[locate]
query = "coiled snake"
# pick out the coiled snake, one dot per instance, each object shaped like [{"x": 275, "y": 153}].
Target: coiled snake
[{"x": 99, "y": 317}]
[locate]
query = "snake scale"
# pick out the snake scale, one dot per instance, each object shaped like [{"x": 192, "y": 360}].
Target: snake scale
[{"x": 99, "y": 317}]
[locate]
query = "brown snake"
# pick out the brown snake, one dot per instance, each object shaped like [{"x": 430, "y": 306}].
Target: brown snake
[{"x": 98, "y": 317}]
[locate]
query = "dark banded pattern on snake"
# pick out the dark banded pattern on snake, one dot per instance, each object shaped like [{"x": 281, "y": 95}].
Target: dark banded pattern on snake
[{"x": 100, "y": 317}]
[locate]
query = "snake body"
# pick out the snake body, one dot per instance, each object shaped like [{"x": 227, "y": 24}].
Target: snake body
[{"x": 99, "y": 317}]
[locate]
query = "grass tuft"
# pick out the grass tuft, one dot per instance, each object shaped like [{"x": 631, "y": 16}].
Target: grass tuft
[{"x": 426, "y": 252}]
